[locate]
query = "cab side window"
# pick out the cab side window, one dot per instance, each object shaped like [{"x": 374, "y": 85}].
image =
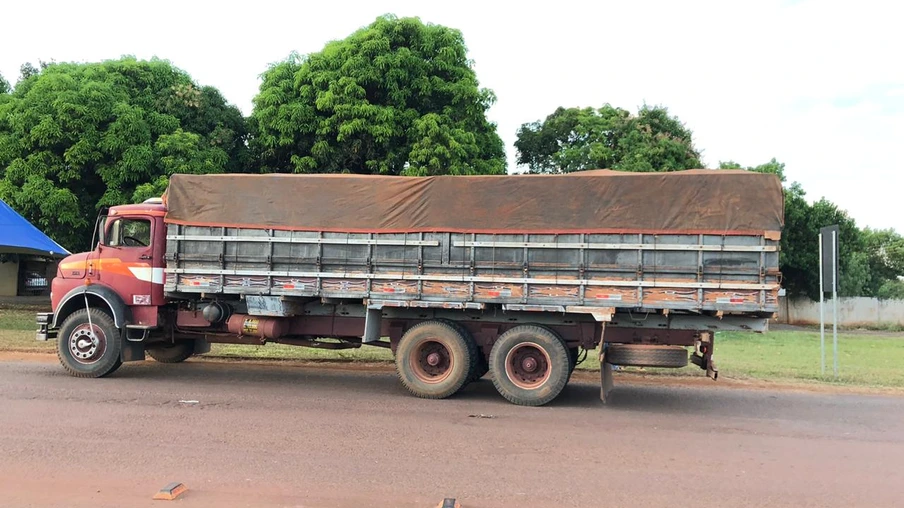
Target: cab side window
[{"x": 129, "y": 233}]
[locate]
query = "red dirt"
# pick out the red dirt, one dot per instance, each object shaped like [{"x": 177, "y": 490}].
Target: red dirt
[{"x": 279, "y": 435}]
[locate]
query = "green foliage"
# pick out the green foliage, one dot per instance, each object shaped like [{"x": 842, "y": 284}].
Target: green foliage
[
  {"x": 799, "y": 258},
  {"x": 27, "y": 70},
  {"x": 398, "y": 97},
  {"x": 853, "y": 267},
  {"x": 885, "y": 252},
  {"x": 5, "y": 88},
  {"x": 891, "y": 290},
  {"x": 576, "y": 139},
  {"x": 772, "y": 167},
  {"x": 74, "y": 137}
]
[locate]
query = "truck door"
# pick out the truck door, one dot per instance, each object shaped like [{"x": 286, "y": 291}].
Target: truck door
[{"x": 125, "y": 260}]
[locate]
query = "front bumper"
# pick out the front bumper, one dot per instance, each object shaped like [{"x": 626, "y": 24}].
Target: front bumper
[{"x": 44, "y": 320}]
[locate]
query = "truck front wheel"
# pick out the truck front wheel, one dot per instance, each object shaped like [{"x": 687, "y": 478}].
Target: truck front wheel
[
  {"x": 434, "y": 360},
  {"x": 171, "y": 353},
  {"x": 89, "y": 347},
  {"x": 530, "y": 365}
]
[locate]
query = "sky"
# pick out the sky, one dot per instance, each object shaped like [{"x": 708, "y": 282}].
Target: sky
[{"x": 819, "y": 85}]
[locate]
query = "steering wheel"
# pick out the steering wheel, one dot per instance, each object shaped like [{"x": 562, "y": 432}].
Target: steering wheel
[{"x": 131, "y": 241}]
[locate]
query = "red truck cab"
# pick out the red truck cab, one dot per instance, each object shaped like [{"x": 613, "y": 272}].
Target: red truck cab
[{"x": 121, "y": 278}]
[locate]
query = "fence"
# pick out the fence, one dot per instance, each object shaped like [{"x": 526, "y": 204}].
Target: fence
[{"x": 852, "y": 312}]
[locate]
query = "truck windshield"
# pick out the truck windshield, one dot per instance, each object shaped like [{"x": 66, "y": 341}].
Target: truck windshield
[{"x": 129, "y": 233}]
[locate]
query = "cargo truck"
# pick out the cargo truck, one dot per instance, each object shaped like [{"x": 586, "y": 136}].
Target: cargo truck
[{"x": 518, "y": 276}]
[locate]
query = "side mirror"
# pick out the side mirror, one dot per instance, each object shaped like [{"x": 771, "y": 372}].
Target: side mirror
[
  {"x": 102, "y": 231},
  {"x": 99, "y": 228}
]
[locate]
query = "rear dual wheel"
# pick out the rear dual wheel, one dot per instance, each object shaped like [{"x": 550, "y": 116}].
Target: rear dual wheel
[
  {"x": 530, "y": 365},
  {"x": 435, "y": 359},
  {"x": 479, "y": 367}
]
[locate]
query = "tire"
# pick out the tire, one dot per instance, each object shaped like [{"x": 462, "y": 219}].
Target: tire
[
  {"x": 646, "y": 356},
  {"x": 440, "y": 342},
  {"x": 530, "y": 365},
  {"x": 79, "y": 354},
  {"x": 483, "y": 366},
  {"x": 573, "y": 354},
  {"x": 474, "y": 351},
  {"x": 171, "y": 353}
]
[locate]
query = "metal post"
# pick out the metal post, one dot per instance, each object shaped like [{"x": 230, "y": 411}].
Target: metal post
[
  {"x": 822, "y": 313},
  {"x": 835, "y": 301}
]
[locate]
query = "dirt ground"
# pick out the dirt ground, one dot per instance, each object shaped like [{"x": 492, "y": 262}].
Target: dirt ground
[{"x": 240, "y": 434}]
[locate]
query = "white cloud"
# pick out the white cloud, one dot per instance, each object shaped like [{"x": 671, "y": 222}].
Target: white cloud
[{"x": 816, "y": 84}]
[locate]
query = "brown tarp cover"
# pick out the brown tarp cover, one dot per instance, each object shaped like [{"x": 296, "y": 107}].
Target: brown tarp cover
[{"x": 599, "y": 201}]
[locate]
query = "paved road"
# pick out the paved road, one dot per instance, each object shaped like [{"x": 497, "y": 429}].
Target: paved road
[{"x": 292, "y": 436}]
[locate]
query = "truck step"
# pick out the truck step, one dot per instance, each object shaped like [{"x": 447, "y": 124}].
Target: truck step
[{"x": 131, "y": 331}]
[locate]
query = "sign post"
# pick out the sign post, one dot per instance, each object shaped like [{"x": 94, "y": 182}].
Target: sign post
[
  {"x": 822, "y": 312},
  {"x": 828, "y": 276},
  {"x": 835, "y": 301}
]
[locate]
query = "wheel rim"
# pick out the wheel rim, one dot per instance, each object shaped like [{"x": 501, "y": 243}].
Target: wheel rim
[
  {"x": 431, "y": 361},
  {"x": 87, "y": 348},
  {"x": 527, "y": 365}
]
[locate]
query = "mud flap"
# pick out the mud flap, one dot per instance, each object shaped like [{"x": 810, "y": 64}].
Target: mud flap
[
  {"x": 703, "y": 355},
  {"x": 201, "y": 346},
  {"x": 605, "y": 376},
  {"x": 711, "y": 370},
  {"x": 132, "y": 351},
  {"x": 372, "y": 324}
]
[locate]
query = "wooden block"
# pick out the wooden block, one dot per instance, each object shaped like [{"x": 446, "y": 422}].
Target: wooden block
[{"x": 170, "y": 492}]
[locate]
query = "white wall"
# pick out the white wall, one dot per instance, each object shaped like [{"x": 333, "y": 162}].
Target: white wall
[{"x": 858, "y": 311}]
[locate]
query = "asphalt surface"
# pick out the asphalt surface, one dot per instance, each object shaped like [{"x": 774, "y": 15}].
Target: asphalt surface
[{"x": 298, "y": 436}]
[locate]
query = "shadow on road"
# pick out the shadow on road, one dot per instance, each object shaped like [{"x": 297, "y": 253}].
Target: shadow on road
[{"x": 315, "y": 383}]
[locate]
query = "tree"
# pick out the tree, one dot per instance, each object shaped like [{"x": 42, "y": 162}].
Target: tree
[
  {"x": 576, "y": 139},
  {"x": 799, "y": 258},
  {"x": 398, "y": 97},
  {"x": 772, "y": 167},
  {"x": 4, "y": 86},
  {"x": 74, "y": 137},
  {"x": 27, "y": 70},
  {"x": 891, "y": 290},
  {"x": 885, "y": 251},
  {"x": 853, "y": 265}
]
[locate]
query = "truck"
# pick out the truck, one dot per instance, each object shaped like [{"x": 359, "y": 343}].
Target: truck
[{"x": 518, "y": 277}]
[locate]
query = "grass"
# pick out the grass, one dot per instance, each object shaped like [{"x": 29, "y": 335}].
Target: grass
[
  {"x": 284, "y": 352},
  {"x": 17, "y": 333},
  {"x": 864, "y": 360},
  {"x": 886, "y": 327},
  {"x": 869, "y": 360},
  {"x": 873, "y": 360}
]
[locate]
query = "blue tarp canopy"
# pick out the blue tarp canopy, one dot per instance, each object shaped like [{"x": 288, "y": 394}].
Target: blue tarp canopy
[{"x": 17, "y": 235}]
